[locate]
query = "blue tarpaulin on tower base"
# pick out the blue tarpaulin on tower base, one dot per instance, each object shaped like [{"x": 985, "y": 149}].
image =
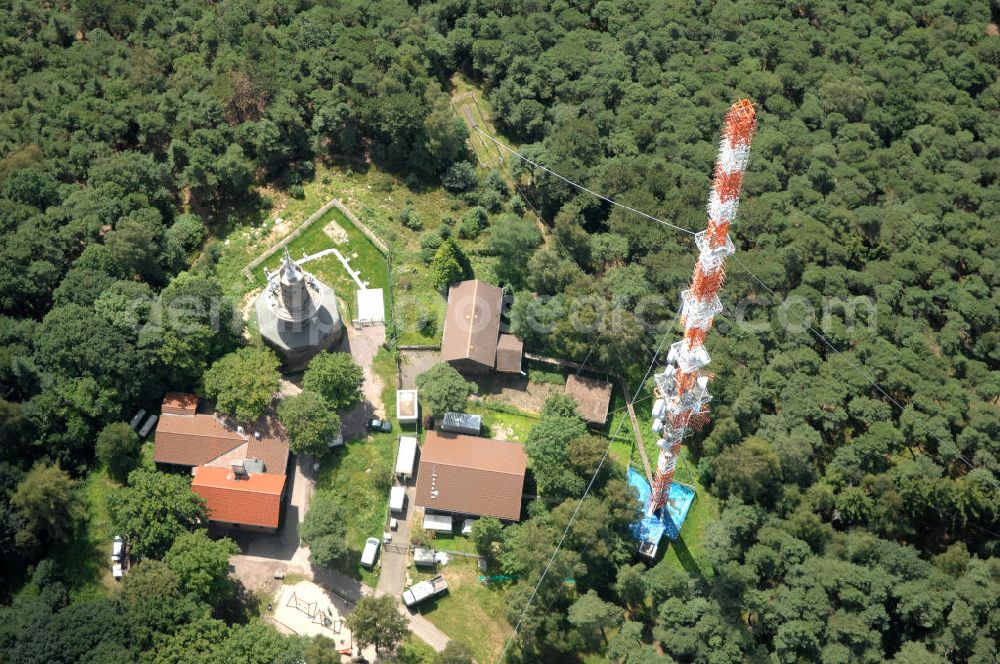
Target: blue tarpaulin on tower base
[{"x": 652, "y": 528}]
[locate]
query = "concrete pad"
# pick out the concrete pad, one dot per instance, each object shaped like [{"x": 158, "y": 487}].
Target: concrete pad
[{"x": 307, "y": 609}]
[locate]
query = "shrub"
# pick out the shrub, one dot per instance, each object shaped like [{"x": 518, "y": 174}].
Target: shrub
[
  {"x": 444, "y": 230},
  {"x": 449, "y": 265},
  {"x": 460, "y": 176},
  {"x": 443, "y": 389},
  {"x": 325, "y": 532},
  {"x": 490, "y": 199},
  {"x": 118, "y": 448},
  {"x": 500, "y": 407},
  {"x": 542, "y": 377},
  {"x": 420, "y": 536},
  {"x": 474, "y": 221},
  {"x": 485, "y": 532},
  {"x": 429, "y": 243},
  {"x": 409, "y": 218},
  {"x": 559, "y": 405}
]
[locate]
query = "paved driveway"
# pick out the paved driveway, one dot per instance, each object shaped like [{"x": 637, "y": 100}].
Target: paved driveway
[
  {"x": 394, "y": 558},
  {"x": 263, "y": 555},
  {"x": 364, "y": 344},
  {"x": 414, "y": 363}
]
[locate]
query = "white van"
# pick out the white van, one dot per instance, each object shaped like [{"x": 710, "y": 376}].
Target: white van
[{"x": 370, "y": 553}]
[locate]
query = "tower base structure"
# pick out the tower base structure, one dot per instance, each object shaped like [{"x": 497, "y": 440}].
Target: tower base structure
[
  {"x": 650, "y": 530},
  {"x": 298, "y": 342},
  {"x": 297, "y": 315}
]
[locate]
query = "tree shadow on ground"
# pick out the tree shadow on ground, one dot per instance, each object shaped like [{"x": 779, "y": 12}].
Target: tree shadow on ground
[
  {"x": 338, "y": 583},
  {"x": 684, "y": 556}
]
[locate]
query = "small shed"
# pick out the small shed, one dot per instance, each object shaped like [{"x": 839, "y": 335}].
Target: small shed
[
  {"x": 371, "y": 306},
  {"x": 437, "y": 522},
  {"x": 462, "y": 423},
  {"x": 510, "y": 350},
  {"x": 592, "y": 397},
  {"x": 179, "y": 403},
  {"x": 423, "y": 557},
  {"x": 406, "y": 456},
  {"x": 397, "y": 498},
  {"x": 407, "y": 408}
]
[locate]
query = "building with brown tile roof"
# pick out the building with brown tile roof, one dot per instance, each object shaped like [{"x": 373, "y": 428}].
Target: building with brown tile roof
[
  {"x": 196, "y": 440},
  {"x": 192, "y": 440},
  {"x": 253, "y": 500},
  {"x": 468, "y": 475},
  {"x": 510, "y": 350},
  {"x": 268, "y": 442},
  {"x": 592, "y": 397},
  {"x": 211, "y": 446},
  {"x": 472, "y": 325}
]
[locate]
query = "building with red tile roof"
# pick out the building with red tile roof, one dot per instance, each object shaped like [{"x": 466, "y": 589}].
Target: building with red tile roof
[{"x": 252, "y": 499}]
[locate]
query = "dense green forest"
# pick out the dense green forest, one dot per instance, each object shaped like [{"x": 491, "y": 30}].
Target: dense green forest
[{"x": 860, "y": 523}]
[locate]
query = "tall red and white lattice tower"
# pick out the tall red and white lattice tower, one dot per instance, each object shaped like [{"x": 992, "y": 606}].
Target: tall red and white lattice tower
[{"x": 682, "y": 387}]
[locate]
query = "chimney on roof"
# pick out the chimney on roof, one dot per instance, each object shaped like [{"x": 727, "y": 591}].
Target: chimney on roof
[
  {"x": 256, "y": 434},
  {"x": 239, "y": 470},
  {"x": 239, "y": 430}
]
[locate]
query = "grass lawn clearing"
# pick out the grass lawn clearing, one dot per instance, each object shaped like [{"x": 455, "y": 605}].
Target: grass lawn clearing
[
  {"x": 86, "y": 559},
  {"x": 487, "y": 153},
  {"x": 377, "y": 199},
  {"x": 357, "y": 474},
  {"x": 507, "y": 423},
  {"x": 362, "y": 255},
  {"x": 453, "y": 541},
  {"x": 688, "y": 552},
  {"x": 352, "y": 474},
  {"x": 414, "y": 651},
  {"x": 470, "y": 612}
]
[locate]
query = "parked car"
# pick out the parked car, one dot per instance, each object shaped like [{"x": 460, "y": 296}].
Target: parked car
[
  {"x": 370, "y": 553},
  {"x": 116, "y": 571},
  {"x": 117, "y": 549},
  {"x": 379, "y": 425}
]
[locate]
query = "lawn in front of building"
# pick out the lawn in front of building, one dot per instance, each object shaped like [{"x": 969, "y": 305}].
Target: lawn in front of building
[{"x": 469, "y": 603}]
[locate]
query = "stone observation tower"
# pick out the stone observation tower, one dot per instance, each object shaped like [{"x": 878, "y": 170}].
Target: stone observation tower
[{"x": 297, "y": 315}]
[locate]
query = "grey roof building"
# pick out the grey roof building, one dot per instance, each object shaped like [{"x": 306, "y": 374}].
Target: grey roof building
[
  {"x": 297, "y": 315},
  {"x": 462, "y": 423}
]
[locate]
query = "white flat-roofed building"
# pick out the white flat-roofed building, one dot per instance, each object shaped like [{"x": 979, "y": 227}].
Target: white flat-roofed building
[
  {"x": 441, "y": 523},
  {"x": 397, "y": 498},
  {"x": 406, "y": 456},
  {"x": 407, "y": 408},
  {"x": 371, "y": 306}
]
